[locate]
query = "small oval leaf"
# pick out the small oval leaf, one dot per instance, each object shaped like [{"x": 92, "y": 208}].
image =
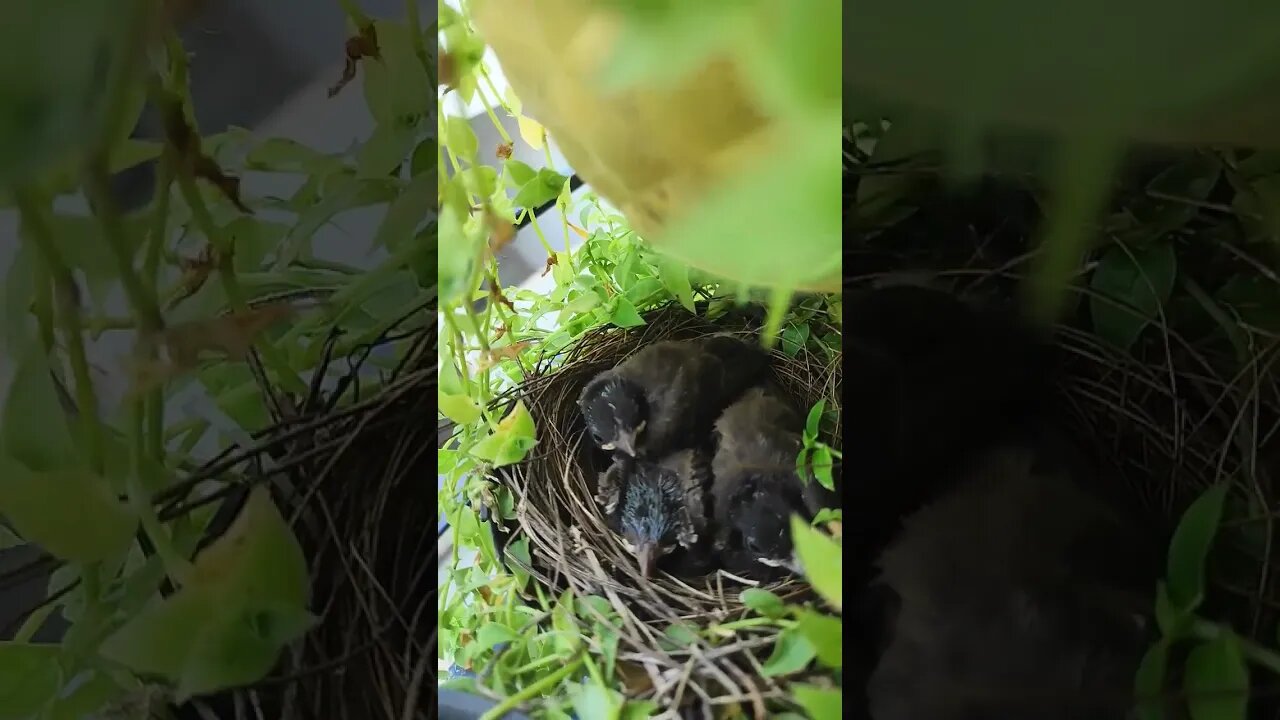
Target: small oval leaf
[
  {"x": 1217, "y": 680},
  {"x": 791, "y": 654},
  {"x": 821, "y": 558},
  {"x": 1189, "y": 548}
]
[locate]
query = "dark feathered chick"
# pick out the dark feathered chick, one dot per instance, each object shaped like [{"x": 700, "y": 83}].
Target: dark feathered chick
[
  {"x": 1016, "y": 594},
  {"x": 667, "y": 395},
  {"x": 931, "y": 382},
  {"x": 656, "y": 506},
  {"x": 755, "y": 488}
]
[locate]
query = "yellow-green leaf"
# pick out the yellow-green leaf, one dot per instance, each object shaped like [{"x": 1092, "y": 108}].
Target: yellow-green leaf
[
  {"x": 826, "y": 633},
  {"x": 820, "y": 703},
  {"x": 791, "y": 654},
  {"x": 258, "y": 558},
  {"x": 511, "y": 441},
  {"x": 69, "y": 512},
  {"x": 532, "y": 132},
  {"x": 459, "y": 408},
  {"x": 820, "y": 557},
  {"x": 29, "y": 677}
]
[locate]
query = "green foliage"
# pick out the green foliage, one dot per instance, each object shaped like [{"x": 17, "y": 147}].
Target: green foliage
[
  {"x": 1190, "y": 547},
  {"x": 1140, "y": 278},
  {"x": 1217, "y": 680},
  {"x": 79, "y": 480}
]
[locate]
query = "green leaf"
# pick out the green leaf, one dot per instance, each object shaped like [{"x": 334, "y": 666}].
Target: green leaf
[
  {"x": 1143, "y": 281},
  {"x": 70, "y": 512},
  {"x": 29, "y": 678},
  {"x": 585, "y": 302},
  {"x": 460, "y": 138},
  {"x": 625, "y": 315},
  {"x": 594, "y": 701},
  {"x": 385, "y": 150},
  {"x": 90, "y": 698},
  {"x": 1217, "y": 680},
  {"x": 675, "y": 277},
  {"x": 822, "y": 464},
  {"x": 396, "y": 85},
  {"x": 252, "y": 240},
  {"x": 791, "y": 654},
  {"x": 518, "y": 173},
  {"x": 424, "y": 158},
  {"x": 18, "y": 292},
  {"x": 825, "y": 633},
  {"x": 1171, "y": 621},
  {"x": 812, "y": 423},
  {"x": 1149, "y": 682},
  {"x": 821, "y": 559},
  {"x": 459, "y": 408},
  {"x": 1189, "y": 548},
  {"x": 794, "y": 338},
  {"x": 36, "y": 431},
  {"x": 826, "y": 515},
  {"x": 291, "y": 156},
  {"x": 342, "y": 192},
  {"x": 802, "y": 465},
  {"x": 788, "y": 192},
  {"x": 239, "y": 650},
  {"x": 511, "y": 441},
  {"x": 258, "y": 558},
  {"x": 763, "y": 602},
  {"x": 681, "y": 634},
  {"x": 819, "y": 703},
  {"x": 457, "y": 254},
  {"x": 542, "y": 189},
  {"x": 638, "y": 710},
  {"x": 160, "y": 638}
]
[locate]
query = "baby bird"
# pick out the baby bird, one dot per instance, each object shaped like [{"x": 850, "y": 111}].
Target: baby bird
[
  {"x": 755, "y": 489},
  {"x": 932, "y": 382},
  {"x": 1016, "y": 594},
  {"x": 656, "y": 506},
  {"x": 666, "y": 395}
]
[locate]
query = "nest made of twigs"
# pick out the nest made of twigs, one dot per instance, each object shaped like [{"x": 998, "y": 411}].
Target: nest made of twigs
[
  {"x": 571, "y": 547},
  {"x": 346, "y": 466}
]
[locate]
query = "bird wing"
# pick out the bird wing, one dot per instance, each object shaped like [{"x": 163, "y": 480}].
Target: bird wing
[{"x": 690, "y": 467}]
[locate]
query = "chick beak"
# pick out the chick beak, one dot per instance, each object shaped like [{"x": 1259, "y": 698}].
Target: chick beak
[
  {"x": 626, "y": 443},
  {"x": 648, "y": 560}
]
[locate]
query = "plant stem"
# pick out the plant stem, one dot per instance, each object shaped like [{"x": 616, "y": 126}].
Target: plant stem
[
  {"x": 357, "y": 16},
  {"x": 43, "y": 304},
  {"x": 493, "y": 118},
  {"x": 412, "y": 17},
  {"x": 144, "y": 304},
  {"x": 177, "y": 567},
  {"x": 532, "y": 691},
  {"x": 40, "y": 234},
  {"x": 227, "y": 275}
]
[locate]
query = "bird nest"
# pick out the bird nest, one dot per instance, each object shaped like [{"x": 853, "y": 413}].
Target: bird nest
[
  {"x": 345, "y": 465},
  {"x": 570, "y": 546}
]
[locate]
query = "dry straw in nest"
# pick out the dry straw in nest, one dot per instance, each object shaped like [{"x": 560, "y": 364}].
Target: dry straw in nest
[{"x": 571, "y": 548}]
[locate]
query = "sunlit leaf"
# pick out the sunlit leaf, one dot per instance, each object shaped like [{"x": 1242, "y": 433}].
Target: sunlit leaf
[
  {"x": 241, "y": 649},
  {"x": 813, "y": 421},
  {"x": 822, "y": 464},
  {"x": 534, "y": 135},
  {"x": 825, "y": 633},
  {"x": 460, "y": 138},
  {"x": 511, "y": 441},
  {"x": 763, "y": 602},
  {"x": 459, "y": 408},
  {"x": 791, "y": 654},
  {"x": 821, "y": 559},
  {"x": 625, "y": 315},
  {"x": 1189, "y": 548},
  {"x": 594, "y": 701},
  {"x": 675, "y": 277},
  {"x": 819, "y": 703},
  {"x": 542, "y": 189}
]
